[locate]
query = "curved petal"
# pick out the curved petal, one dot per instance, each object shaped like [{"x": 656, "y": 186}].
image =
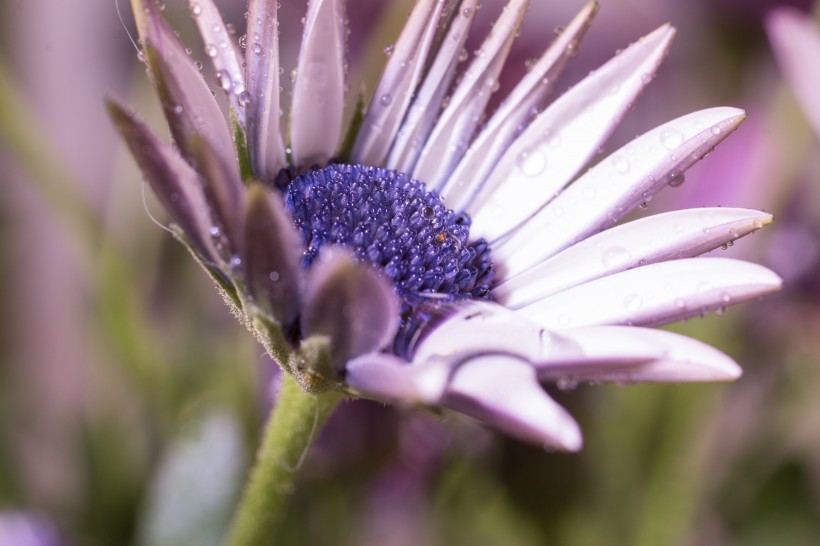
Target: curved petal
[
  {"x": 397, "y": 84},
  {"x": 188, "y": 103},
  {"x": 617, "y": 185},
  {"x": 174, "y": 181},
  {"x": 427, "y": 101},
  {"x": 318, "y": 95},
  {"x": 351, "y": 304},
  {"x": 267, "y": 152},
  {"x": 795, "y": 40},
  {"x": 504, "y": 393},
  {"x": 667, "y": 236},
  {"x": 655, "y": 294},
  {"x": 272, "y": 251},
  {"x": 677, "y": 358},
  {"x": 562, "y": 139},
  {"x": 454, "y": 128},
  {"x": 223, "y": 52},
  {"x": 389, "y": 378},
  {"x": 494, "y": 139}
]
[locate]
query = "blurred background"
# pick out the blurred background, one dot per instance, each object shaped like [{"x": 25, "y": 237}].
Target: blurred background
[{"x": 130, "y": 401}]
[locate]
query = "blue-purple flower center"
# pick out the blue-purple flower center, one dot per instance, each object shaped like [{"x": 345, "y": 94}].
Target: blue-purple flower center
[{"x": 393, "y": 222}]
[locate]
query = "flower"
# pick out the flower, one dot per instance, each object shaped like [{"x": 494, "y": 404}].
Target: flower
[
  {"x": 427, "y": 258},
  {"x": 795, "y": 41}
]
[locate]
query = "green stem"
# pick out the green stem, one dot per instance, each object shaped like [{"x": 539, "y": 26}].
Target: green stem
[{"x": 291, "y": 429}]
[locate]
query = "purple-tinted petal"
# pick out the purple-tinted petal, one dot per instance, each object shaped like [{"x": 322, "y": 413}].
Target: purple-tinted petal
[
  {"x": 427, "y": 100},
  {"x": 318, "y": 95},
  {"x": 389, "y": 378},
  {"x": 272, "y": 254},
  {"x": 627, "y": 354},
  {"x": 265, "y": 145},
  {"x": 655, "y": 294},
  {"x": 174, "y": 181},
  {"x": 350, "y": 303},
  {"x": 224, "y": 191},
  {"x": 562, "y": 139},
  {"x": 672, "y": 235},
  {"x": 507, "y": 121},
  {"x": 397, "y": 84},
  {"x": 795, "y": 39},
  {"x": 189, "y": 105},
  {"x": 617, "y": 185},
  {"x": 454, "y": 128},
  {"x": 225, "y": 55},
  {"x": 504, "y": 393}
]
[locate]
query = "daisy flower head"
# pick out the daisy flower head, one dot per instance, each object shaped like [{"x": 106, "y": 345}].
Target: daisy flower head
[{"x": 427, "y": 251}]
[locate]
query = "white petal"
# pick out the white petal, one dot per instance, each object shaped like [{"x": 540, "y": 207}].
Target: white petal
[
  {"x": 482, "y": 328},
  {"x": 449, "y": 139},
  {"x": 427, "y": 101},
  {"x": 655, "y": 294},
  {"x": 504, "y": 393},
  {"x": 617, "y": 185},
  {"x": 318, "y": 95},
  {"x": 397, "y": 84},
  {"x": 795, "y": 40},
  {"x": 223, "y": 52},
  {"x": 507, "y": 121},
  {"x": 389, "y": 378},
  {"x": 676, "y": 358},
  {"x": 562, "y": 139},
  {"x": 262, "y": 76},
  {"x": 671, "y": 235}
]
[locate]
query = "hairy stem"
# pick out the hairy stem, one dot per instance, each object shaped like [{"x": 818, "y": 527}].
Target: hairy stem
[{"x": 291, "y": 428}]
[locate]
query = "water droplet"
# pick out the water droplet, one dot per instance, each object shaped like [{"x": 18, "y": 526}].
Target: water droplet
[
  {"x": 385, "y": 99},
  {"x": 177, "y": 109},
  {"x": 215, "y": 231},
  {"x": 389, "y": 50},
  {"x": 615, "y": 256},
  {"x": 196, "y": 9},
  {"x": 223, "y": 79},
  {"x": 243, "y": 41},
  {"x": 211, "y": 51},
  {"x": 235, "y": 262},
  {"x": 671, "y": 138},
  {"x": 532, "y": 163},
  {"x": 274, "y": 276},
  {"x": 633, "y": 302},
  {"x": 198, "y": 65},
  {"x": 466, "y": 12},
  {"x": 715, "y": 130},
  {"x": 566, "y": 384},
  {"x": 676, "y": 178},
  {"x": 620, "y": 164},
  {"x": 244, "y": 98},
  {"x": 589, "y": 193}
]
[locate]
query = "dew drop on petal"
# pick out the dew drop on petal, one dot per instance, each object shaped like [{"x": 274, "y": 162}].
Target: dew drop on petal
[
  {"x": 620, "y": 164},
  {"x": 274, "y": 276},
  {"x": 195, "y": 8},
  {"x": 633, "y": 302},
  {"x": 210, "y": 50},
  {"x": 244, "y": 98},
  {"x": 532, "y": 163},
  {"x": 615, "y": 256},
  {"x": 671, "y": 138},
  {"x": 385, "y": 99},
  {"x": 389, "y": 50},
  {"x": 257, "y": 49},
  {"x": 676, "y": 179}
]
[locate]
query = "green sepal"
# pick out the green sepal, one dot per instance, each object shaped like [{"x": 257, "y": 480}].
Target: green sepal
[
  {"x": 353, "y": 130},
  {"x": 312, "y": 366},
  {"x": 240, "y": 141}
]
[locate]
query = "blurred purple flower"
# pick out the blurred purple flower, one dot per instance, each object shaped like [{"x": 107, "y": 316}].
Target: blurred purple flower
[
  {"x": 357, "y": 277},
  {"x": 795, "y": 40},
  {"x": 22, "y": 529}
]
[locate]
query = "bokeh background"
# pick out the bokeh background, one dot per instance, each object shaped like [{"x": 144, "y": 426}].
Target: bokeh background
[{"x": 130, "y": 401}]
